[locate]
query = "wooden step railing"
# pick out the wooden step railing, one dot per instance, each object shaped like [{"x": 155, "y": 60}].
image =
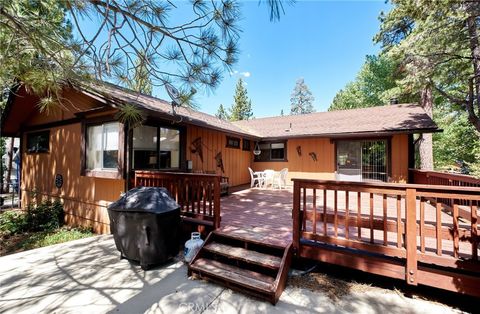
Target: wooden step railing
[
  {"x": 197, "y": 194},
  {"x": 403, "y": 231}
]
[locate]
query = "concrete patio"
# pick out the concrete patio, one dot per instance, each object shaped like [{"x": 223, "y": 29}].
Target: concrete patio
[{"x": 87, "y": 276}]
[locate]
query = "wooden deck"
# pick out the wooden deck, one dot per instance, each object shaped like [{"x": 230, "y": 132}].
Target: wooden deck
[
  {"x": 261, "y": 214},
  {"x": 266, "y": 215}
]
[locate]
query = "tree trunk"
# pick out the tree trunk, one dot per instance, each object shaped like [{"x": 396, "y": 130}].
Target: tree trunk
[
  {"x": 473, "y": 105},
  {"x": 426, "y": 143}
]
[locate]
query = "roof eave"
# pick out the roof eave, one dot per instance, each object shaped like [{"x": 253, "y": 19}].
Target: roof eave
[{"x": 353, "y": 134}]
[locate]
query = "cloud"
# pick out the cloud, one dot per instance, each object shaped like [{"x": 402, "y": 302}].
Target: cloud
[{"x": 237, "y": 73}]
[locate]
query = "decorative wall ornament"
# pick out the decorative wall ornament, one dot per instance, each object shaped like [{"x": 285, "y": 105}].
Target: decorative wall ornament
[
  {"x": 219, "y": 160},
  {"x": 197, "y": 148},
  {"x": 58, "y": 180},
  {"x": 299, "y": 150},
  {"x": 314, "y": 156}
]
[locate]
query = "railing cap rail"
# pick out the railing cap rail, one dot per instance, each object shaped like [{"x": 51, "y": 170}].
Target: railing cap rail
[
  {"x": 170, "y": 173},
  {"x": 448, "y": 175},
  {"x": 393, "y": 186}
]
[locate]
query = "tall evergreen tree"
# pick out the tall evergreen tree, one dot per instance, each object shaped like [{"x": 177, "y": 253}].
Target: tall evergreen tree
[
  {"x": 222, "y": 113},
  {"x": 375, "y": 85},
  {"x": 301, "y": 99},
  {"x": 141, "y": 80},
  {"x": 440, "y": 47},
  {"x": 242, "y": 106}
]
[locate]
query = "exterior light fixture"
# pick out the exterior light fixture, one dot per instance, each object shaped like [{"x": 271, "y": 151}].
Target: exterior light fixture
[{"x": 256, "y": 150}]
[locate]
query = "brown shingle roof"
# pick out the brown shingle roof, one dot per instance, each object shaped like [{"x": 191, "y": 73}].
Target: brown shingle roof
[
  {"x": 402, "y": 118},
  {"x": 163, "y": 108}
]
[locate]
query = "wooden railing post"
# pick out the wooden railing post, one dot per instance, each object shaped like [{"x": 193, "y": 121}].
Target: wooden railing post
[
  {"x": 296, "y": 216},
  {"x": 216, "y": 203},
  {"x": 411, "y": 236}
]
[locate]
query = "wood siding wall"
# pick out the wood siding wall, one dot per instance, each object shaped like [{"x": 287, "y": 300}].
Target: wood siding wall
[
  {"x": 399, "y": 155},
  {"x": 235, "y": 160},
  {"x": 84, "y": 198},
  {"x": 304, "y": 167}
]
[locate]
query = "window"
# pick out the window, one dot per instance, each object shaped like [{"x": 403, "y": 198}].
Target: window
[
  {"x": 151, "y": 153},
  {"x": 246, "y": 144},
  {"x": 102, "y": 146},
  {"x": 272, "y": 151},
  {"x": 38, "y": 142},
  {"x": 233, "y": 142},
  {"x": 362, "y": 160}
]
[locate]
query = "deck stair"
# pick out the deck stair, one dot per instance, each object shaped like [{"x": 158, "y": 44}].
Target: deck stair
[{"x": 243, "y": 263}]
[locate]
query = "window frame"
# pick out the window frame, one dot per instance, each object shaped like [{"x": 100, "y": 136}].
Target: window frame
[
  {"x": 245, "y": 141},
  {"x": 228, "y": 145},
  {"x": 37, "y": 133},
  {"x": 270, "y": 159},
  {"x": 181, "y": 148},
  {"x": 108, "y": 173}
]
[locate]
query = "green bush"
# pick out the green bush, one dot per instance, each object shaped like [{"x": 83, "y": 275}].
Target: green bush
[
  {"x": 46, "y": 216},
  {"x": 12, "y": 222}
]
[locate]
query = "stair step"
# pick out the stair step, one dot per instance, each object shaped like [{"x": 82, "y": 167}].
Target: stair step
[
  {"x": 233, "y": 274},
  {"x": 252, "y": 237},
  {"x": 252, "y": 257}
]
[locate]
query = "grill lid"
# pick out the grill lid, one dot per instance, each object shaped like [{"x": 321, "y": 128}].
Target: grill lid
[{"x": 145, "y": 199}]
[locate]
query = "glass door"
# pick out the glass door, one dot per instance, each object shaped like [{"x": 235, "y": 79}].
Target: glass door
[{"x": 362, "y": 160}]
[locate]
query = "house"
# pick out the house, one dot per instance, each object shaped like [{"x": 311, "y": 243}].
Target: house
[{"x": 82, "y": 154}]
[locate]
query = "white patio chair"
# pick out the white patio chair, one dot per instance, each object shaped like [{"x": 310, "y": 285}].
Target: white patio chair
[
  {"x": 269, "y": 177},
  {"x": 280, "y": 178},
  {"x": 256, "y": 178}
]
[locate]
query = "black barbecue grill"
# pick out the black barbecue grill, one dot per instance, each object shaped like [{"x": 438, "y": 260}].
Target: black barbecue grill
[{"x": 145, "y": 225}]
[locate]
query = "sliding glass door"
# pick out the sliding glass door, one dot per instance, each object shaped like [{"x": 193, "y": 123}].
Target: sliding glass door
[{"x": 362, "y": 160}]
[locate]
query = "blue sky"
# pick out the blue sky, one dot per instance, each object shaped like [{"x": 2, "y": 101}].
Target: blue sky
[{"x": 325, "y": 42}]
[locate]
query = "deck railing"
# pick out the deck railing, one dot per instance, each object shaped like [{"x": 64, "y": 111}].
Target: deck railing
[
  {"x": 197, "y": 194},
  {"x": 401, "y": 231},
  {"x": 429, "y": 177},
  {"x": 442, "y": 178}
]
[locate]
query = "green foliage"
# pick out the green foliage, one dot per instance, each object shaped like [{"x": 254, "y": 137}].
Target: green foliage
[
  {"x": 242, "y": 107},
  {"x": 375, "y": 85},
  {"x": 13, "y": 222},
  {"x": 301, "y": 100},
  {"x": 46, "y": 238},
  {"x": 141, "y": 80},
  {"x": 458, "y": 141},
  {"x": 130, "y": 115},
  {"x": 222, "y": 113},
  {"x": 46, "y": 216},
  {"x": 435, "y": 41},
  {"x": 36, "y": 47}
]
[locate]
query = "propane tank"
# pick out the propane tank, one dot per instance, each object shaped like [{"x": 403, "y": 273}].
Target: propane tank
[{"x": 192, "y": 246}]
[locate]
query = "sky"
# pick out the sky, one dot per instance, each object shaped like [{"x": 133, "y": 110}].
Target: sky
[{"x": 325, "y": 42}]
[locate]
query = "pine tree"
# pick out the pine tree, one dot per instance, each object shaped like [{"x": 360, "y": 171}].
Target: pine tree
[
  {"x": 281, "y": 113},
  {"x": 141, "y": 81},
  {"x": 301, "y": 99},
  {"x": 242, "y": 107},
  {"x": 222, "y": 113}
]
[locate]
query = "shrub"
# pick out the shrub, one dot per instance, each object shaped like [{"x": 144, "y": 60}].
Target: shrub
[
  {"x": 46, "y": 216},
  {"x": 12, "y": 222}
]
